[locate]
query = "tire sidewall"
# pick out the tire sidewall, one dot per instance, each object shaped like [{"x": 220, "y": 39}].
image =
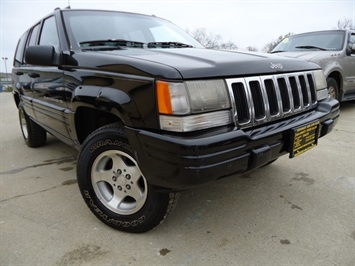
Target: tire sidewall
[
  {"x": 333, "y": 85},
  {"x": 36, "y": 135},
  {"x": 22, "y": 115},
  {"x": 92, "y": 148}
]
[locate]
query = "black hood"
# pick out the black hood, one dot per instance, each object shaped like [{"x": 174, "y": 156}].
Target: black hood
[{"x": 192, "y": 63}]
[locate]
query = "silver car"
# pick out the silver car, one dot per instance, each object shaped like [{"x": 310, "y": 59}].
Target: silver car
[{"x": 333, "y": 50}]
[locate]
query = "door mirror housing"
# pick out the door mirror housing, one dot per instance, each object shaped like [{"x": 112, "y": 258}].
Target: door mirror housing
[{"x": 42, "y": 55}]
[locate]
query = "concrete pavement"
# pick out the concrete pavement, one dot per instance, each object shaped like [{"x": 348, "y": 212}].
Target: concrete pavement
[{"x": 297, "y": 211}]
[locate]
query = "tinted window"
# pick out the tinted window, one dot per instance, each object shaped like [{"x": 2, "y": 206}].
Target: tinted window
[
  {"x": 34, "y": 32},
  {"x": 20, "y": 48},
  {"x": 32, "y": 38},
  {"x": 49, "y": 34}
]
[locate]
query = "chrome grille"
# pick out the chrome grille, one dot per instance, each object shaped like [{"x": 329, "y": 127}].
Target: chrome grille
[{"x": 261, "y": 99}]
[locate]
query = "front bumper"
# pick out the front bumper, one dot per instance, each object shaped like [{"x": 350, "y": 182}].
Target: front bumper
[{"x": 183, "y": 161}]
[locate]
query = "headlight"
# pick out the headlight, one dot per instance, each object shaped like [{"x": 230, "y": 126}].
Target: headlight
[
  {"x": 195, "y": 122},
  {"x": 193, "y": 105},
  {"x": 207, "y": 96},
  {"x": 321, "y": 84}
]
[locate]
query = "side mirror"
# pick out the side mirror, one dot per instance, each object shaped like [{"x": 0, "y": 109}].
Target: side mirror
[
  {"x": 42, "y": 55},
  {"x": 350, "y": 50}
]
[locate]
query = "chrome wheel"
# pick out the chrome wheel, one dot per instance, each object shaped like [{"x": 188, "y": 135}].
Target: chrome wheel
[
  {"x": 23, "y": 123},
  {"x": 332, "y": 92},
  {"x": 333, "y": 89},
  {"x": 33, "y": 134},
  {"x": 118, "y": 182}
]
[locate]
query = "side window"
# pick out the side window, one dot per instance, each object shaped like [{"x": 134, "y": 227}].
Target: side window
[
  {"x": 49, "y": 34},
  {"x": 20, "y": 49},
  {"x": 32, "y": 40},
  {"x": 351, "y": 40}
]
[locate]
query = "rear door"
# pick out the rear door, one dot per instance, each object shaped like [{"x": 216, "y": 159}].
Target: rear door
[
  {"x": 21, "y": 71},
  {"x": 349, "y": 67}
]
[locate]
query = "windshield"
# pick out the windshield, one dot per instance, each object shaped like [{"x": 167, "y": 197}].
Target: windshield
[
  {"x": 90, "y": 27},
  {"x": 325, "y": 40}
]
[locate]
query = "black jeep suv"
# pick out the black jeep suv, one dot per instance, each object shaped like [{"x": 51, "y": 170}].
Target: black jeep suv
[{"x": 152, "y": 112}]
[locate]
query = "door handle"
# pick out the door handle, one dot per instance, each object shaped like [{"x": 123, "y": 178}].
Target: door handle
[
  {"x": 19, "y": 73},
  {"x": 33, "y": 75}
]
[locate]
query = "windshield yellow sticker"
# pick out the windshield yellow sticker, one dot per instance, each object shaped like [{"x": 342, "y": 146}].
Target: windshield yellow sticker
[{"x": 285, "y": 40}]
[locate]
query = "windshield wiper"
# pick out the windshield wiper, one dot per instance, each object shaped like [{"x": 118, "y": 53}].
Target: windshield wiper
[
  {"x": 168, "y": 45},
  {"x": 110, "y": 44},
  {"x": 277, "y": 51},
  {"x": 310, "y": 47}
]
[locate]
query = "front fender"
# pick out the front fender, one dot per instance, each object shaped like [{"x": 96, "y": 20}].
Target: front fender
[
  {"x": 331, "y": 65},
  {"x": 114, "y": 101}
]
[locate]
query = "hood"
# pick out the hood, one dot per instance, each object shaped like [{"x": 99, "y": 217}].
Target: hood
[
  {"x": 311, "y": 56},
  {"x": 191, "y": 63}
]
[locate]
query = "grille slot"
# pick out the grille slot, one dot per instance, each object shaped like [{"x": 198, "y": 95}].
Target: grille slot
[
  {"x": 285, "y": 97},
  {"x": 272, "y": 97},
  {"x": 305, "y": 91},
  {"x": 260, "y": 99},
  {"x": 240, "y": 96},
  {"x": 295, "y": 93}
]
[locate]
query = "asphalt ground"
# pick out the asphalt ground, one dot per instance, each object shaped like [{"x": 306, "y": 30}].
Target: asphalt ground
[{"x": 298, "y": 211}]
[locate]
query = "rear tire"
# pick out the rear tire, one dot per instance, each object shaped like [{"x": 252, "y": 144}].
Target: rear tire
[
  {"x": 33, "y": 134},
  {"x": 113, "y": 186}
]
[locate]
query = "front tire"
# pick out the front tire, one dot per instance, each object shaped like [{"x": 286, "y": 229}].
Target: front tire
[
  {"x": 113, "y": 186},
  {"x": 333, "y": 88}
]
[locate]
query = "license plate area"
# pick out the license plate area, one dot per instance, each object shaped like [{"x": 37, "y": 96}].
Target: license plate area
[{"x": 304, "y": 138}]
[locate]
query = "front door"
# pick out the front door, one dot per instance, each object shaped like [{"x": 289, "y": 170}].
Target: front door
[{"x": 49, "y": 99}]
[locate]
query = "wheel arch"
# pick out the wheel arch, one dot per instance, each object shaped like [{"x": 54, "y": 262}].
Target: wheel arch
[
  {"x": 337, "y": 76},
  {"x": 95, "y": 107},
  {"x": 88, "y": 119}
]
